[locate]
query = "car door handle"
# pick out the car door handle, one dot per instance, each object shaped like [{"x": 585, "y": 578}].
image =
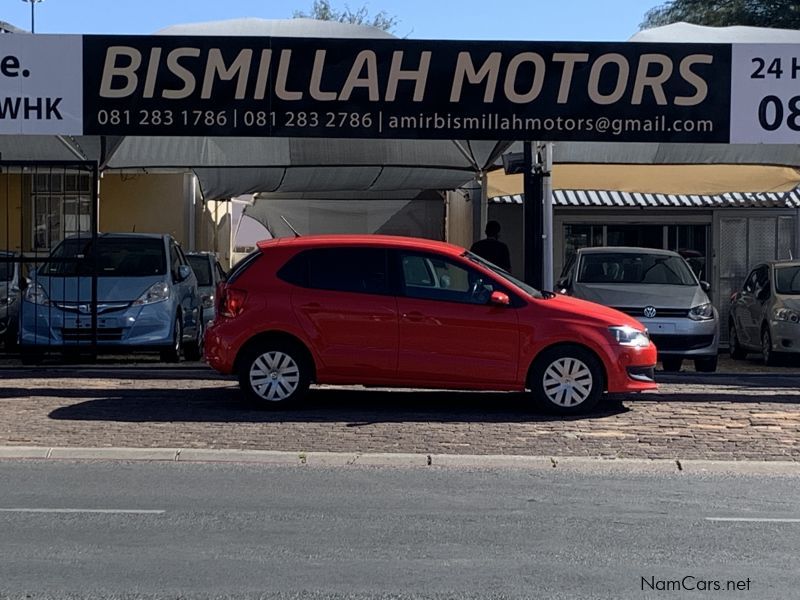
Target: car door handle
[{"x": 414, "y": 316}]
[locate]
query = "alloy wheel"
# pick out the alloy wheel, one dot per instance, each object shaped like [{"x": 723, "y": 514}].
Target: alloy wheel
[
  {"x": 274, "y": 376},
  {"x": 567, "y": 382}
]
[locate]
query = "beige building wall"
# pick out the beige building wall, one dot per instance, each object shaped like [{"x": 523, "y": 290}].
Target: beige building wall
[
  {"x": 11, "y": 187},
  {"x": 144, "y": 203}
]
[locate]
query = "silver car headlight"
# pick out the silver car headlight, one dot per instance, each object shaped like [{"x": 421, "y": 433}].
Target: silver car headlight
[
  {"x": 158, "y": 292},
  {"x": 35, "y": 293},
  {"x": 702, "y": 312},
  {"x": 625, "y": 335},
  {"x": 786, "y": 314}
]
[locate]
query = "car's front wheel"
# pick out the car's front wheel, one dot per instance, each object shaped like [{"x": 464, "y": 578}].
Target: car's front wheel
[
  {"x": 706, "y": 364},
  {"x": 274, "y": 374},
  {"x": 567, "y": 380},
  {"x": 173, "y": 354},
  {"x": 769, "y": 355}
]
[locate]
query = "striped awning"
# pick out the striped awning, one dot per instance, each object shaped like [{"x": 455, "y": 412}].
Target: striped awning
[{"x": 614, "y": 199}]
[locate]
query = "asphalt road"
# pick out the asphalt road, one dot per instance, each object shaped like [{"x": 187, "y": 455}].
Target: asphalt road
[{"x": 162, "y": 530}]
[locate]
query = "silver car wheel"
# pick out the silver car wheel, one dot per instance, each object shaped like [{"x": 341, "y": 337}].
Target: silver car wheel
[
  {"x": 274, "y": 376},
  {"x": 567, "y": 382}
]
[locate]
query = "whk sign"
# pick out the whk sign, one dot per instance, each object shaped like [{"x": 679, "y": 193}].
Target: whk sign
[{"x": 41, "y": 84}]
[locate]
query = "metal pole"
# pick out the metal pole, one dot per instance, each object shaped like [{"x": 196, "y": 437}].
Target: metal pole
[
  {"x": 33, "y": 23},
  {"x": 547, "y": 237},
  {"x": 532, "y": 211}
]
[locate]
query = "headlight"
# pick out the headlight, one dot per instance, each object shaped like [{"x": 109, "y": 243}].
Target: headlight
[
  {"x": 786, "y": 314},
  {"x": 702, "y": 312},
  {"x": 629, "y": 336},
  {"x": 35, "y": 293},
  {"x": 208, "y": 300},
  {"x": 158, "y": 292}
]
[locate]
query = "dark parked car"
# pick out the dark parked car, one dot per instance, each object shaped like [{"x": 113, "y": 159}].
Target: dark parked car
[
  {"x": 394, "y": 311},
  {"x": 209, "y": 273},
  {"x": 765, "y": 313},
  {"x": 11, "y": 284},
  {"x": 146, "y": 291}
]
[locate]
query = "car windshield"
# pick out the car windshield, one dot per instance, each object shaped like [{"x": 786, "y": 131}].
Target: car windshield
[
  {"x": 787, "y": 280},
  {"x": 202, "y": 269},
  {"x": 626, "y": 267},
  {"x": 116, "y": 257},
  {"x": 503, "y": 274}
]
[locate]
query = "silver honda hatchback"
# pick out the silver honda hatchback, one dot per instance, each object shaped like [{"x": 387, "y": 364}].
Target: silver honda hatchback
[{"x": 658, "y": 288}]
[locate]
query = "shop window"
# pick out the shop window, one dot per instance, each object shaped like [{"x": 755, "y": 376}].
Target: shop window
[{"x": 62, "y": 205}]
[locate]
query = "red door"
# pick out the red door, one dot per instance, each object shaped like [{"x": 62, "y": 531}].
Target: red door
[
  {"x": 349, "y": 315},
  {"x": 449, "y": 333}
]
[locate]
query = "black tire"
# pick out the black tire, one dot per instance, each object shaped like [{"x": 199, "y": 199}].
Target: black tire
[
  {"x": 283, "y": 370},
  {"x": 771, "y": 358},
  {"x": 194, "y": 349},
  {"x": 706, "y": 364},
  {"x": 173, "y": 354},
  {"x": 671, "y": 364},
  {"x": 566, "y": 380},
  {"x": 30, "y": 356},
  {"x": 734, "y": 346}
]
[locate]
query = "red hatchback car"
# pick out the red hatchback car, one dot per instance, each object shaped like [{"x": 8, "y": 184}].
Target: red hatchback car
[{"x": 407, "y": 312}]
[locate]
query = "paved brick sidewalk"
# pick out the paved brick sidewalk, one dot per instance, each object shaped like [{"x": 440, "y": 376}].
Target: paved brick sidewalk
[{"x": 749, "y": 416}]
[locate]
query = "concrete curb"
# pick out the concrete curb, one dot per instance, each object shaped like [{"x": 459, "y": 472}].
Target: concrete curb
[{"x": 405, "y": 460}]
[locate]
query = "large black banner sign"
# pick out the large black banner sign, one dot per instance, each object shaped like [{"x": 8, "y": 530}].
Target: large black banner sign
[{"x": 250, "y": 86}]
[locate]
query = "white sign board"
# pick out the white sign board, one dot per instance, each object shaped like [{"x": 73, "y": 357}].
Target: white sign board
[
  {"x": 765, "y": 94},
  {"x": 41, "y": 84}
]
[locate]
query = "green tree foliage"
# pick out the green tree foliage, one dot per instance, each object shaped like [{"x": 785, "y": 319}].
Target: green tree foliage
[
  {"x": 323, "y": 11},
  {"x": 782, "y": 14}
]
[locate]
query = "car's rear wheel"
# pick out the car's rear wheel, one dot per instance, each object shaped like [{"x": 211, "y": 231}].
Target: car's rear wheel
[
  {"x": 671, "y": 364},
  {"x": 173, "y": 354},
  {"x": 706, "y": 365},
  {"x": 734, "y": 345},
  {"x": 274, "y": 374},
  {"x": 567, "y": 380}
]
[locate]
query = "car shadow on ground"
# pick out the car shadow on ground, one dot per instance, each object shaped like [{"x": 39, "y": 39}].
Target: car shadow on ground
[{"x": 356, "y": 407}]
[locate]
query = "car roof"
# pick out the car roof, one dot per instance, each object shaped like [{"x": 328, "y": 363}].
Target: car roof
[
  {"x": 377, "y": 240},
  {"x": 626, "y": 250},
  {"x": 784, "y": 263}
]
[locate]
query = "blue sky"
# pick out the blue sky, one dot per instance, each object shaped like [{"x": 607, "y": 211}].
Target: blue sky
[{"x": 572, "y": 20}]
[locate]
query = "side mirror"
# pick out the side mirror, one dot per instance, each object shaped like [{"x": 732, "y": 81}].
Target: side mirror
[
  {"x": 705, "y": 286},
  {"x": 499, "y": 299},
  {"x": 184, "y": 272},
  {"x": 562, "y": 285}
]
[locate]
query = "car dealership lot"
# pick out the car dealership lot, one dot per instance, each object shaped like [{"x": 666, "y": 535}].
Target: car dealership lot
[{"x": 754, "y": 414}]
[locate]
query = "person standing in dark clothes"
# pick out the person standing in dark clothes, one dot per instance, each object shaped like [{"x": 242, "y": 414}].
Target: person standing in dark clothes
[{"x": 492, "y": 249}]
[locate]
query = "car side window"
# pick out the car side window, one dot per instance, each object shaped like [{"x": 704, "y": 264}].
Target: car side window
[
  {"x": 358, "y": 270},
  {"x": 432, "y": 277},
  {"x": 750, "y": 283}
]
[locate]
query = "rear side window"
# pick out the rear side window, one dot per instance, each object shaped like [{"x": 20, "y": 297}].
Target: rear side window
[
  {"x": 244, "y": 264},
  {"x": 359, "y": 270}
]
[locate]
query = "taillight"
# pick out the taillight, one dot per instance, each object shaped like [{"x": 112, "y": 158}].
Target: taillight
[{"x": 231, "y": 301}]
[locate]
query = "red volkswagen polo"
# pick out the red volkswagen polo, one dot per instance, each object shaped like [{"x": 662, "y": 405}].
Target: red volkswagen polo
[{"x": 407, "y": 312}]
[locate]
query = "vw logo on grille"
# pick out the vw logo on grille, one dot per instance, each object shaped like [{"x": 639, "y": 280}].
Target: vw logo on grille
[{"x": 649, "y": 312}]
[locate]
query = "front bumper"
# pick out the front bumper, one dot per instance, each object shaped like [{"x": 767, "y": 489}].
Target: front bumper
[
  {"x": 785, "y": 337},
  {"x": 136, "y": 327},
  {"x": 683, "y": 337},
  {"x": 631, "y": 369}
]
